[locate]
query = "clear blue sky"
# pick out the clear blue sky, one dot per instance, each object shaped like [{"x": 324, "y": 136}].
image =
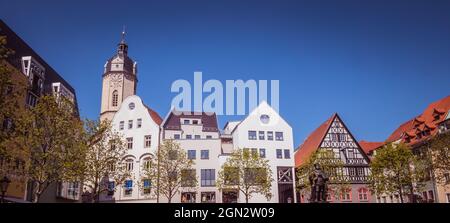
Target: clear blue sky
[{"x": 376, "y": 63}]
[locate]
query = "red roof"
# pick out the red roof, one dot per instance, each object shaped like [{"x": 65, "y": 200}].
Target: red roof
[
  {"x": 313, "y": 141},
  {"x": 154, "y": 115},
  {"x": 370, "y": 146},
  {"x": 428, "y": 117}
]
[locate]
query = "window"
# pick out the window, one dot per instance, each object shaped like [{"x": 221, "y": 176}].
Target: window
[
  {"x": 121, "y": 125},
  {"x": 188, "y": 197},
  {"x": 128, "y": 187},
  {"x": 208, "y": 137},
  {"x": 261, "y": 135},
  {"x": 279, "y": 154},
  {"x": 186, "y": 122},
  {"x": 129, "y": 164},
  {"x": 287, "y": 154},
  {"x": 351, "y": 171},
  {"x": 342, "y": 137},
  {"x": 279, "y": 136},
  {"x": 347, "y": 195},
  {"x": 252, "y": 135},
  {"x": 147, "y": 141},
  {"x": 130, "y": 143},
  {"x": 131, "y": 106},
  {"x": 191, "y": 154},
  {"x": 147, "y": 163},
  {"x": 254, "y": 152},
  {"x": 208, "y": 197},
  {"x": 188, "y": 178},
  {"x": 73, "y": 189},
  {"x": 204, "y": 154},
  {"x": 7, "y": 124},
  {"x": 384, "y": 199},
  {"x": 31, "y": 99},
  {"x": 262, "y": 153},
  {"x": 447, "y": 177},
  {"x": 176, "y": 136},
  {"x": 270, "y": 136},
  {"x": 448, "y": 198},
  {"x": 208, "y": 177},
  {"x": 111, "y": 188},
  {"x": 130, "y": 124},
  {"x": 188, "y": 136},
  {"x": 147, "y": 184},
  {"x": 139, "y": 122},
  {"x": 197, "y": 136},
  {"x": 115, "y": 98},
  {"x": 351, "y": 154},
  {"x": 425, "y": 196},
  {"x": 360, "y": 171},
  {"x": 195, "y": 122},
  {"x": 363, "y": 194}
]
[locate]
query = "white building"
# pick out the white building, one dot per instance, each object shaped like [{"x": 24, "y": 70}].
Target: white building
[
  {"x": 198, "y": 135},
  {"x": 139, "y": 126},
  {"x": 266, "y": 132}
]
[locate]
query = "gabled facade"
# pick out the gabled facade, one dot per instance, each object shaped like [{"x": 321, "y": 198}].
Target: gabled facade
[
  {"x": 196, "y": 133},
  {"x": 139, "y": 126},
  {"x": 333, "y": 135},
  {"x": 267, "y": 133}
]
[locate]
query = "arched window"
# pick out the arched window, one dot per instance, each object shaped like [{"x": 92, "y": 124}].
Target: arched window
[
  {"x": 146, "y": 163},
  {"x": 129, "y": 164},
  {"x": 363, "y": 194},
  {"x": 115, "y": 98}
]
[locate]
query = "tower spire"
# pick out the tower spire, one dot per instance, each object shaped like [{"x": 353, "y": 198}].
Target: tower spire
[
  {"x": 123, "y": 47},
  {"x": 123, "y": 34}
]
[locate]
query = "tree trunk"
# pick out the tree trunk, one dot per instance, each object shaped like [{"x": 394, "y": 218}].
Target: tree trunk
[
  {"x": 413, "y": 197},
  {"x": 37, "y": 195}
]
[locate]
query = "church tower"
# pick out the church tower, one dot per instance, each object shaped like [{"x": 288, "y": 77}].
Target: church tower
[{"x": 119, "y": 80}]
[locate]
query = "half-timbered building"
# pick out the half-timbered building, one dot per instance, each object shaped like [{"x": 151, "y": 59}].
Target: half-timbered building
[{"x": 334, "y": 136}]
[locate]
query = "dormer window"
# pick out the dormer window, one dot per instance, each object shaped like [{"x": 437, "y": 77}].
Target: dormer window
[
  {"x": 195, "y": 122},
  {"x": 186, "y": 122}
]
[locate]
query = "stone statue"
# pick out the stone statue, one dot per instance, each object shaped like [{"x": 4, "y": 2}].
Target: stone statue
[{"x": 318, "y": 181}]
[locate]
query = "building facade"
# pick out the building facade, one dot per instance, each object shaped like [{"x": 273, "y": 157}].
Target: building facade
[
  {"x": 416, "y": 133},
  {"x": 334, "y": 136},
  {"x": 139, "y": 126},
  {"x": 267, "y": 133},
  {"x": 39, "y": 78},
  {"x": 198, "y": 134}
]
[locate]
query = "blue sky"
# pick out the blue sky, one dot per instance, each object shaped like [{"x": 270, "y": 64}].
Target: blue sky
[{"x": 376, "y": 63}]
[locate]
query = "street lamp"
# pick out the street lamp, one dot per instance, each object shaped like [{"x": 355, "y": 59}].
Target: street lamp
[{"x": 4, "y": 184}]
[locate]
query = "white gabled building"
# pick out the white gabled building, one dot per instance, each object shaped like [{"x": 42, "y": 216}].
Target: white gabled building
[
  {"x": 139, "y": 126},
  {"x": 266, "y": 132}
]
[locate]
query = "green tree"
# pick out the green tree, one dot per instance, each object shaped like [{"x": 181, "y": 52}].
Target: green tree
[
  {"x": 103, "y": 158},
  {"x": 12, "y": 102},
  {"x": 438, "y": 157},
  {"x": 51, "y": 135},
  {"x": 396, "y": 170},
  {"x": 171, "y": 170},
  {"x": 246, "y": 172},
  {"x": 331, "y": 166}
]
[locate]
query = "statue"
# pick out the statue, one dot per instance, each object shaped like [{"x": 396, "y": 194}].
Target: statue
[{"x": 318, "y": 181}]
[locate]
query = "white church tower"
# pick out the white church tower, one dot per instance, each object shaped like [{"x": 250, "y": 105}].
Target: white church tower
[{"x": 119, "y": 81}]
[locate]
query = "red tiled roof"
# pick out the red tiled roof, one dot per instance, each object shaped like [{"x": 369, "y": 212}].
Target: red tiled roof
[
  {"x": 313, "y": 141},
  {"x": 154, "y": 115},
  {"x": 370, "y": 146},
  {"x": 441, "y": 107}
]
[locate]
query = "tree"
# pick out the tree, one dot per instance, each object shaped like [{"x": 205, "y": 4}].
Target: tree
[
  {"x": 103, "y": 158},
  {"x": 12, "y": 100},
  {"x": 437, "y": 156},
  {"x": 395, "y": 169},
  {"x": 332, "y": 167},
  {"x": 171, "y": 170},
  {"x": 51, "y": 136},
  {"x": 246, "y": 172}
]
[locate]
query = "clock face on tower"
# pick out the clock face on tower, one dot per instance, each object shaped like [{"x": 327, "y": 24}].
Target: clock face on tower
[{"x": 116, "y": 80}]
